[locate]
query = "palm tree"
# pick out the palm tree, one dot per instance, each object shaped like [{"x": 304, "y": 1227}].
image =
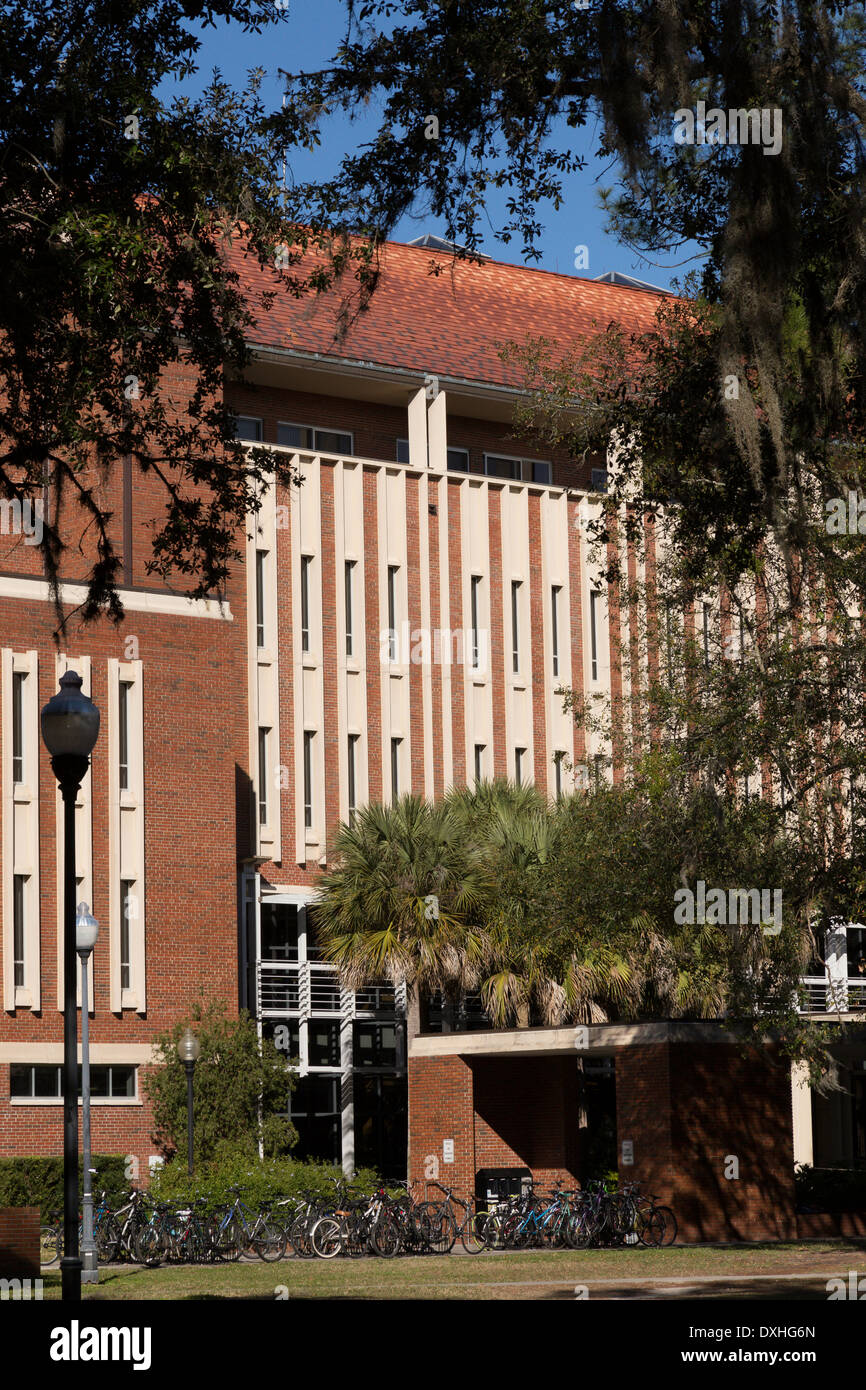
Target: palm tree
[{"x": 403, "y": 901}]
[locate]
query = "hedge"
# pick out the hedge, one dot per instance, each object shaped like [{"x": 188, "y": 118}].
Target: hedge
[
  {"x": 38, "y": 1181},
  {"x": 259, "y": 1181},
  {"x": 830, "y": 1189}
]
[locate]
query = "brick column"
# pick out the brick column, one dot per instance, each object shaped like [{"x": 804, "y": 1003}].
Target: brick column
[{"x": 440, "y": 1108}]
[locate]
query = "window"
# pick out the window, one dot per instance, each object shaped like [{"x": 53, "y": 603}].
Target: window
[
  {"x": 706, "y": 608},
  {"x": 374, "y": 1045},
  {"x": 123, "y": 735},
  {"x": 594, "y": 596},
  {"x": 18, "y": 679},
  {"x": 279, "y": 928},
  {"x": 314, "y": 1108},
  {"x": 392, "y": 612},
  {"x": 263, "y": 776},
  {"x": 496, "y": 467},
  {"x": 519, "y": 756},
  {"x": 127, "y": 911},
  {"x": 557, "y": 772},
  {"x": 458, "y": 459},
  {"x": 308, "y": 437},
  {"x": 260, "y": 598},
  {"x": 306, "y": 562},
  {"x": 308, "y": 779},
  {"x": 515, "y": 642},
  {"x": 599, "y": 763},
  {"x": 598, "y": 480},
  {"x": 18, "y": 881},
  {"x": 479, "y": 761},
  {"x": 474, "y": 586},
  {"x": 323, "y": 1042},
  {"x": 554, "y": 626},
  {"x": 44, "y": 1081},
  {"x": 395, "y": 767},
  {"x": 249, "y": 429},
  {"x": 350, "y": 622},
  {"x": 353, "y": 743},
  {"x": 285, "y": 1034},
  {"x": 531, "y": 470}
]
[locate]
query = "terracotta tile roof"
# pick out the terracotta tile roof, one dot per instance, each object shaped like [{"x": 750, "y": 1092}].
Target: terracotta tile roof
[{"x": 448, "y": 324}]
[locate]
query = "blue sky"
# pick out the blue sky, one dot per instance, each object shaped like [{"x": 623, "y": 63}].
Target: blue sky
[{"x": 308, "y": 37}]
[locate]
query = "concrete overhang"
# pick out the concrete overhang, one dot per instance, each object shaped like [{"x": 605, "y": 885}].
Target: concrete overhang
[{"x": 599, "y": 1040}]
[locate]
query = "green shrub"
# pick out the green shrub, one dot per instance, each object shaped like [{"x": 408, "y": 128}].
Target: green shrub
[
  {"x": 38, "y": 1181},
  {"x": 830, "y": 1189},
  {"x": 259, "y": 1180}
]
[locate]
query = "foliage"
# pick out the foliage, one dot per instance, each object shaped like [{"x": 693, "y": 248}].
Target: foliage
[
  {"x": 830, "y": 1189},
  {"x": 571, "y": 914},
  {"x": 240, "y": 1091},
  {"x": 781, "y": 235},
  {"x": 32, "y": 1181},
  {"x": 258, "y": 1180}
]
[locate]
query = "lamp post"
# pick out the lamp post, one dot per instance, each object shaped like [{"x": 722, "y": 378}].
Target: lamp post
[
  {"x": 188, "y": 1050},
  {"x": 70, "y": 728},
  {"x": 86, "y": 932}
]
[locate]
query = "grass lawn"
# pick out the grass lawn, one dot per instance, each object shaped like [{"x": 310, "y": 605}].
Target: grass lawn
[{"x": 533, "y": 1274}]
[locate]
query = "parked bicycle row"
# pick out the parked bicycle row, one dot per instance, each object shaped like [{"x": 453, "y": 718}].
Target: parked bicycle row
[{"x": 380, "y": 1223}]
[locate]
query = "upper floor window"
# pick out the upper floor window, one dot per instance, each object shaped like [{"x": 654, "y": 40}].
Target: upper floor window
[
  {"x": 350, "y": 617},
  {"x": 594, "y": 597},
  {"x": 123, "y": 735},
  {"x": 515, "y": 624},
  {"x": 260, "y": 598},
  {"x": 392, "y": 612},
  {"x": 474, "y": 587},
  {"x": 530, "y": 470},
  {"x": 248, "y": 428},
  {"x": 458, "y": 459},
  {"x": 306, "y": 564},
  {"x": 310, "y": 437},
  {"x": 18, "y": 679},
  {"x": 554, "y": 626}
]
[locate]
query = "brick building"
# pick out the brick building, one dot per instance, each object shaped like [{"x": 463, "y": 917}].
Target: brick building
[{"x": 403, "y": 621}]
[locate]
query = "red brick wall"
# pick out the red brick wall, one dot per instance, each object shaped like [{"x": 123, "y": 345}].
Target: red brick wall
[
  {"x": 440, "y": 1107},
  {"x": 19, "y": 1242},
  {"x": 692, "y": 1108}
]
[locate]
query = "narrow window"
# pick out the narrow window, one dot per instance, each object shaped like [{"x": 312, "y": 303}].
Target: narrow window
[
  {"x": 126, "y": 912},
  {"x": 519, "y": 754},
  {"x": 350, "y": 622},
  {"x": 18, "y": 679},
  {"x": 515, "y": 639},
  {"x": 308, "y": 779},
  {"x": 594, "y": 595},
  {"x": 473, "y": 600},
  {"x": 392, "y": 612},
  {"x": 123, "y": 734},
  {"x": 557, "y": 765},
  {"x": 18, "y": 881},
  {"x": 395, "y": 768},
  {"x": 479, "y": 761},
  {"x": 260, "y": 598},
  {"x": 263, "y": 776},
  {"x": 600, "y": 762},
  {"x": 554, "y": 626},
  {"x": 306, "y": 561},
  {"x": 707, "y": 635},
  {"x": 353, "y": 743}
]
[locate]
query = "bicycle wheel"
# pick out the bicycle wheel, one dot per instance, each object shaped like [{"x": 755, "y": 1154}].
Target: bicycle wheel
[
  {"x": 326, "y": 1238},
  {"x": 269, "y": 1241},
  {"x": 148, "y": 1247},
  {"x": 472, "y": 1232},
  {"x": 653, "y": 1231},
  {"x": 670, "y": 1225},
  {"x": 385, "y": 1238},
  {"x": 299, "y": 1235},
  {"x": 438, "y": 1225},
  {"x": 107, "y": 1235},
  {"x": 50, "y": 1245}
]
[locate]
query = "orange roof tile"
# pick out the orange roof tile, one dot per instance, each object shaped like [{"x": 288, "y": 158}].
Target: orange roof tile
[{"x": 449, "y": 324}]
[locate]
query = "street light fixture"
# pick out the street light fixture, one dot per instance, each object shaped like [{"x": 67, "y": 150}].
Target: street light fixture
[
  {"x": 188, "y": 1050},
  {"x": 70, "y": 728},
  {"x": 86, "y": 933}
]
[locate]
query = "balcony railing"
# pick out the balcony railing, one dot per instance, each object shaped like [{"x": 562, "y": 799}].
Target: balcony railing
[
  {"x": 310, "y": 988},
  {"x": 834, "y": 996}
]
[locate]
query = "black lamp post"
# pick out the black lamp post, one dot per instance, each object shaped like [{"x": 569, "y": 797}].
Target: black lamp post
[
  {"x": 188, "y": 1050},
  {"x": 70, "y": 728}
]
